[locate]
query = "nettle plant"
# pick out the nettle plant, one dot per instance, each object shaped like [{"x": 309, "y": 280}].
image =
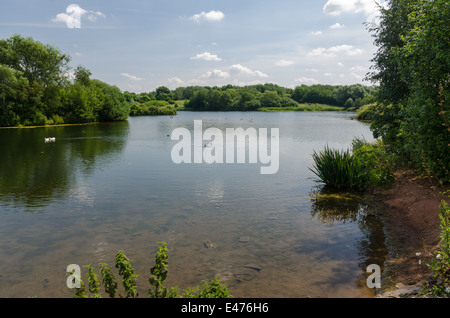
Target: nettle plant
[{"x": 158, "y": 275}]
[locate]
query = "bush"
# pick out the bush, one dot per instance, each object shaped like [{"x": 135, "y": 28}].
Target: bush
[
  {"x": 366, "y": 112},
  {"x": 376, "y": 162}
]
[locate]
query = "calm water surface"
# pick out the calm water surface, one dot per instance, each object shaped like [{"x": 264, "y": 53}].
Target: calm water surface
[{"x": 103, "y": 188}]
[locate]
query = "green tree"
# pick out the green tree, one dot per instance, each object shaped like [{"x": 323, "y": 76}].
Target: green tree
[
  {"x": 411, "y": 67},
  {"x": 270, "y": 99},
  {"x": 44, "y": 66},
  {"x": 82, "y": 75},
  {"x": 13, "y": 96},
  {"x": 113, "y": 104},
  {"x": 163, "y": 93}
]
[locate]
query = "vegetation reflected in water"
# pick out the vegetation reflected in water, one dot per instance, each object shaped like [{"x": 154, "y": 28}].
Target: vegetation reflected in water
[
  {"x": 108, "y": 187},
  {"x": 331, "y": 207}
]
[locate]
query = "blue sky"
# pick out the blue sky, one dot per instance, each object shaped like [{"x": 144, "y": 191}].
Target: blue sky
[{"x": 139, "y": 45}]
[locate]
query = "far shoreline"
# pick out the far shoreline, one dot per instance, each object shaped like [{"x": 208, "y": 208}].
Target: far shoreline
[
  {"x": 307, "y": 108},
  {"x": 59, "y": 125}
]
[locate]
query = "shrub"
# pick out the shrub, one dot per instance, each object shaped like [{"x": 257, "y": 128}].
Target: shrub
[
  {"x": 366, "y": 112},
  {"x": 376, "y": 163}
]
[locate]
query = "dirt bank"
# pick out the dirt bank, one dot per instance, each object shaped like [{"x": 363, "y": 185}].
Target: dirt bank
[{"x": 411, "y": 212}]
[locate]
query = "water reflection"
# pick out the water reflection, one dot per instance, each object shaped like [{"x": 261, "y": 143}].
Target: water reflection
[
  {"x": 35, "y": 173},
  {"x": 334, "y": 208},
  {"x": 114, "y": 187}
]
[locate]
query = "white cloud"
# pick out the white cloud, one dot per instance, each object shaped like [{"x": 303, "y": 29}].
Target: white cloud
[
  {"x": 176, "y": 80},
  {"x": 73, "y": 14},
  {"x": 93, "y": 15},
  {"x": 336, "y": 26},
  {"x": 238, "y": 68},
  {"x": 337, "y": 7},
  {"x": 283, "y": 63},
  {"x": 358, "y": 68},
  {"x": 306, "y": 80},
  {"x": 216, "y": 74},
  {"x": 206, "y": 56},
  {"x": 132, "y": 77},
  {"x": 316, "y": 33},
  {"x": 346, "y": 49},
  {"x": 340, "y": 64},
  {"x": 246, "y": 83},
  {"x": 211, "y": 16},
  {"x": 349, "y": 50},
  {"x": 321, "y": 51}
]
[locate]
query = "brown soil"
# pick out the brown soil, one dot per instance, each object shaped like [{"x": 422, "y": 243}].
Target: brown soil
[{"x": 411, "y": 212}]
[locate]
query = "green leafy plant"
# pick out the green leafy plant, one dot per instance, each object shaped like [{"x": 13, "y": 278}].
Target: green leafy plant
[
  {"x": 440, "y": 264},
  {"x": 208, "y": 289},
  {"x": 376, "y": 162},
  {"x": 158, "y": 275},
  {"x": 127, "y": 272},
  {"x": 108, "y": 280},
  {"x": 94, "y": 282}
]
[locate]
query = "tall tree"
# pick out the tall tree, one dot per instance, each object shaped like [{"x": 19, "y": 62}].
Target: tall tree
[{"x": 412, "y": 67}]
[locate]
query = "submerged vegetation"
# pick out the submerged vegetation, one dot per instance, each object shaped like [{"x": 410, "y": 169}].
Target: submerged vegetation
[{"x": 158, "y": 275}]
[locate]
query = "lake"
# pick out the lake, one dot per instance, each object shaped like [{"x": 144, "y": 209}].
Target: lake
[{"x": 107, "y": 187}]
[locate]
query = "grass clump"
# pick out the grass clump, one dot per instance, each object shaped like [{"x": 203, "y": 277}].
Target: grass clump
[
  {"x": 337, "y": 169},
  {"x": 365, "y": 165}
]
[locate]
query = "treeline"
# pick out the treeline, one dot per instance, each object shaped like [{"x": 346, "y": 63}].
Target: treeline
[
  {"x": 35, "y": 88},
  {"x": 157, "y": 103},
  {"x": 255, "y": 97},
  {"x": 411, "y": 68}
]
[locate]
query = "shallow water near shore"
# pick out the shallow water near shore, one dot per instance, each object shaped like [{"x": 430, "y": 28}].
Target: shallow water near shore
[{"x": 107, "y": 187}]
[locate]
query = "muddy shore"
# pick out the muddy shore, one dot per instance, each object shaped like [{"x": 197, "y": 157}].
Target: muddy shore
[{"x": 410, "y": 209}]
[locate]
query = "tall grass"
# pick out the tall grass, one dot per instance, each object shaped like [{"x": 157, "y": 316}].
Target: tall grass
[{"x": 338, "y": 169}]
